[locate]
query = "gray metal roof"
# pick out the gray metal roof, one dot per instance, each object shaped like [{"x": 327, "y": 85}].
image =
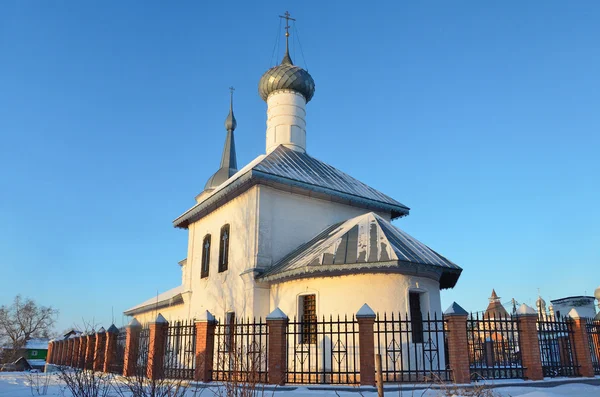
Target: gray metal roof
[
  {"x": 366, "y": 243},
  {"x": 287, "y": 167}
]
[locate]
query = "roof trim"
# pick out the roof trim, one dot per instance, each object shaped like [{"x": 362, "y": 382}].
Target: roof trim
[{"x": 167, "y": 301}]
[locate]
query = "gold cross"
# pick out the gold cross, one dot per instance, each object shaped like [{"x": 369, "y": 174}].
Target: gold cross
[{"x": 288, "y": 18}]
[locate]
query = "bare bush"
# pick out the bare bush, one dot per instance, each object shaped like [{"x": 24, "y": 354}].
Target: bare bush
[
  {"x": 38, "y": 383},
  {"x": 84, "y": 382}
]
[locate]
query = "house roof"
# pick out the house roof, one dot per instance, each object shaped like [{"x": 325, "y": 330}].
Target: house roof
[
  {"x": 366, "y": 243},
  {"x": 168, "y": 298},
  {"x": 301, "y": 173},
  {"x": 37, "y": 344}
]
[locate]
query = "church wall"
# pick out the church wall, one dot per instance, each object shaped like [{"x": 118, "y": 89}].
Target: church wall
[
  {"x": 172, "y": 313},
  {"x": 287, "y": 220},
  {"x": 226, "y": 291},
  {"x": 346, "y": 294}
]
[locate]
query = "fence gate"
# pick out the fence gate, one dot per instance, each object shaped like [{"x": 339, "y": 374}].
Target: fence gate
[
  {"x": 494, "y": 350},
  {"x": 323, "y": 351},
  {"x": 180, "y": 350},
  {"x": 555, "y": 337},
  {"x": 411, "y": 351},
  {"x": 593, "y": 331}
]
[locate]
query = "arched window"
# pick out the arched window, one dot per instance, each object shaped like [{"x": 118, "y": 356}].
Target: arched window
[
  {"x": 224, "y": 248},
  {"x": 205, "y": 256}
]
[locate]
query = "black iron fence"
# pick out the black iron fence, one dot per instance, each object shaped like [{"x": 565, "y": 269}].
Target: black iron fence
[
  {"x": 494, "y": 350},
  {"x": 142, "y": 352},
  {"x": 116, "y": 366},
  {"x": 593, "y": 331},
  {"x": 323, "y": 351},
  {"x": 240, "y": 353},
  {"x": 411, "y": 351},
  {"x": 180, "y": 350},
  {"x": 557, "y": 348}
]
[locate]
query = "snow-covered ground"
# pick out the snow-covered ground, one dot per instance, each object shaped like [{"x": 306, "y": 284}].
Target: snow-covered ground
[{"x": 17, "y": 384}]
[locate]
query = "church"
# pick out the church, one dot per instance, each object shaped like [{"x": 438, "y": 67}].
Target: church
[{"x": 290, "y": 231}]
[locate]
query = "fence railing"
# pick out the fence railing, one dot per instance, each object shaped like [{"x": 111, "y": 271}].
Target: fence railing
[
  {"x": 323, "y": 351},
  {"x": 494, "y": 349},
  {"x": 240, "y": 351},
  {"x": 593, "y": 331},
  {"x": 557, "y": 347},
  {"x": 142, "y": 352},
  {"x": 180, "y": 350},
  {"x": 411, "y": 351}
]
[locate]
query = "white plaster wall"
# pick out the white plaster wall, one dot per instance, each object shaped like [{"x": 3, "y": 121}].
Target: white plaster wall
[
  {"x": 584, "y": 306},
  {"x": 171, "y": 313},
  {"x": 286, "y": 121},
  {"x": 226, "y": 291},
  {"x": 287, "y": 220}
]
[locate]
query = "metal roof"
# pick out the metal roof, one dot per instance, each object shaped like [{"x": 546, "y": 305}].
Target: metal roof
[
  {"x": 287, "y": 167},
  {"x": 168, "y": 298},
  {"x": 366, "y": 243}
]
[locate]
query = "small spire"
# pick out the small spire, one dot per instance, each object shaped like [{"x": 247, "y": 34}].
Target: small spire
[
  {"x": 286, "y": 58},
  {"x": 494, "y": 297},
  {"x": 230, "y": 122}
]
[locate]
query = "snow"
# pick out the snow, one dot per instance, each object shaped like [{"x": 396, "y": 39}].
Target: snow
[{"x": 18, "y": 384}]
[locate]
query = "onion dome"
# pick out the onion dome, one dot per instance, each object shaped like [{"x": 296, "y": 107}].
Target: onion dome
[
  {"x": 286, "y": 76},
  {"x": 597, "y": 294}
]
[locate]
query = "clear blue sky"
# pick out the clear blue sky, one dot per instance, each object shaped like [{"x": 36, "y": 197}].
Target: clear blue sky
[{"x": 483, "y": 117}]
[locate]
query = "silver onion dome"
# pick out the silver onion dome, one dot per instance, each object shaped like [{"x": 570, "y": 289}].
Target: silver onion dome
[{"x": 286, "y": 76}]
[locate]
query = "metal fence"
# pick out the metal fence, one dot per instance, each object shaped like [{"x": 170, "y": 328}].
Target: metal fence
[
  {"x": 180, "y": 350},
  {"x": 142, "y": 352},
  {"x": 593, "y": 331},
  {"x": 494, "y": 350},
  {"x": 324, "y": 351},
  {"x": 240, "y": 351},
  {"x": 411, "y": 351},
  {"x": 557, "y": 349},
  {"x": 116, "y": 366}
]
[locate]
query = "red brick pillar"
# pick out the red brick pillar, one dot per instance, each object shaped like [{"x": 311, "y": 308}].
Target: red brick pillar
[
  {"x": 205, "y": 345},
  {"x": 582, "y": 346},
  {"x": 89, "y": 350},
  {"x": 528, "y": 343},
  {"x": 110, "y": 348},
  {"x": 156, "y": 347},
  {"x": 82, "y": 351},
  {"x": 69, "y": 357},
  {"x": 65, "y": 348},
  {"x": 458, "y": 347},
  {"x": 59, "y": 349},
  {"x": 75, "y": 356},
  {"x": 132, "y": 342},
  {"x": 277, "y": 323},
  {"x": 366, "y": 340},
  {"x": 98, "y": 363},
  {"x": 50, "y": 351}
]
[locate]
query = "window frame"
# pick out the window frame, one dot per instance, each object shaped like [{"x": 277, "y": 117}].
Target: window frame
[
  {"x": 205, "y": 263},
  {"x": 308, "y": 328},
  {"x": 224, "y": 248},
  {"x": 416, "y": 316}
]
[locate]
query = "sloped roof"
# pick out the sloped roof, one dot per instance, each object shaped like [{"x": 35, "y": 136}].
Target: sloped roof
[
  {"x": 289, "y": 169},
  {"x": 366, "y": 243},
  {"x": 168, "y": 298}
]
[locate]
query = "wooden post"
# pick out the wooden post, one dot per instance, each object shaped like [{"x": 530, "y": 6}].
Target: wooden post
[
  {"x": 379, "y": 373},
  {"x": 366, "y": 319},
  {"x": 277, "y": 323},
  {"x": 110, "y": 348},
  {"x": 132, "y": 341},
  {"x": 205, "y": 345},
  {"x": 156, "y": 348}
]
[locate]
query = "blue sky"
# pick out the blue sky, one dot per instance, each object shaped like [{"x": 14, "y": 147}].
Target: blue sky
[{"x": 480, "y": 116}]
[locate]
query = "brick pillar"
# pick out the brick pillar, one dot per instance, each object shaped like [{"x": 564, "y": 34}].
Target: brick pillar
[
  {"x": 277, "y": 323},
  {"x": 205, "y": 346},
  {"x": 132, "y": 342},
  {"x": 156, "y": 347},
  {"x": 458, "y": 347},
  {"x": 59, "y": 349},
  {"x": 98, "y": 363},
  {"x": 75, "y": 356},
  {"x": 89, "y": 350},
  {"x": 50, "y": 351},
  {"x": 82, "y": 352},
  {"x": 366, "y": 340},
  {"x": 63, "y": 354},
  {"x": 582, "y": 347},
  {"x": 69, "y": 357},
  {"x": 110, "y": 348},
  {"x": 528, "y": 343}
]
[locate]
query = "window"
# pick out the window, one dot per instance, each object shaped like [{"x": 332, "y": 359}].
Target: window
[
  {"x": 229, "y": 331},
  {"x": 416, "y": 317},
  {"x": 308, "y": 316},
  {"x": 224, "y": 248},
  {"x": 34, "y": 353},
  {"x": 205, "y": 256}
]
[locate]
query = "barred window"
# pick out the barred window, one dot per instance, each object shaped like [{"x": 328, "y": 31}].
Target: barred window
[
  {"x": 308, "y": 310},
  {"x": 224, "y": 248},
  {"x": 416, "y": 317},
  {"x": 205, "y": 256}
]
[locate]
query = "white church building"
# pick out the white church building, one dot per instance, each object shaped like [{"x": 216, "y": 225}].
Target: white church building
[{"x": 290, "y": 231}]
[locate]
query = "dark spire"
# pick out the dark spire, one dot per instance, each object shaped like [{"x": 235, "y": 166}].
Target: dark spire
[
  {"x": 287, "y": 60},
  {"x": 228, "y": 158}
]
